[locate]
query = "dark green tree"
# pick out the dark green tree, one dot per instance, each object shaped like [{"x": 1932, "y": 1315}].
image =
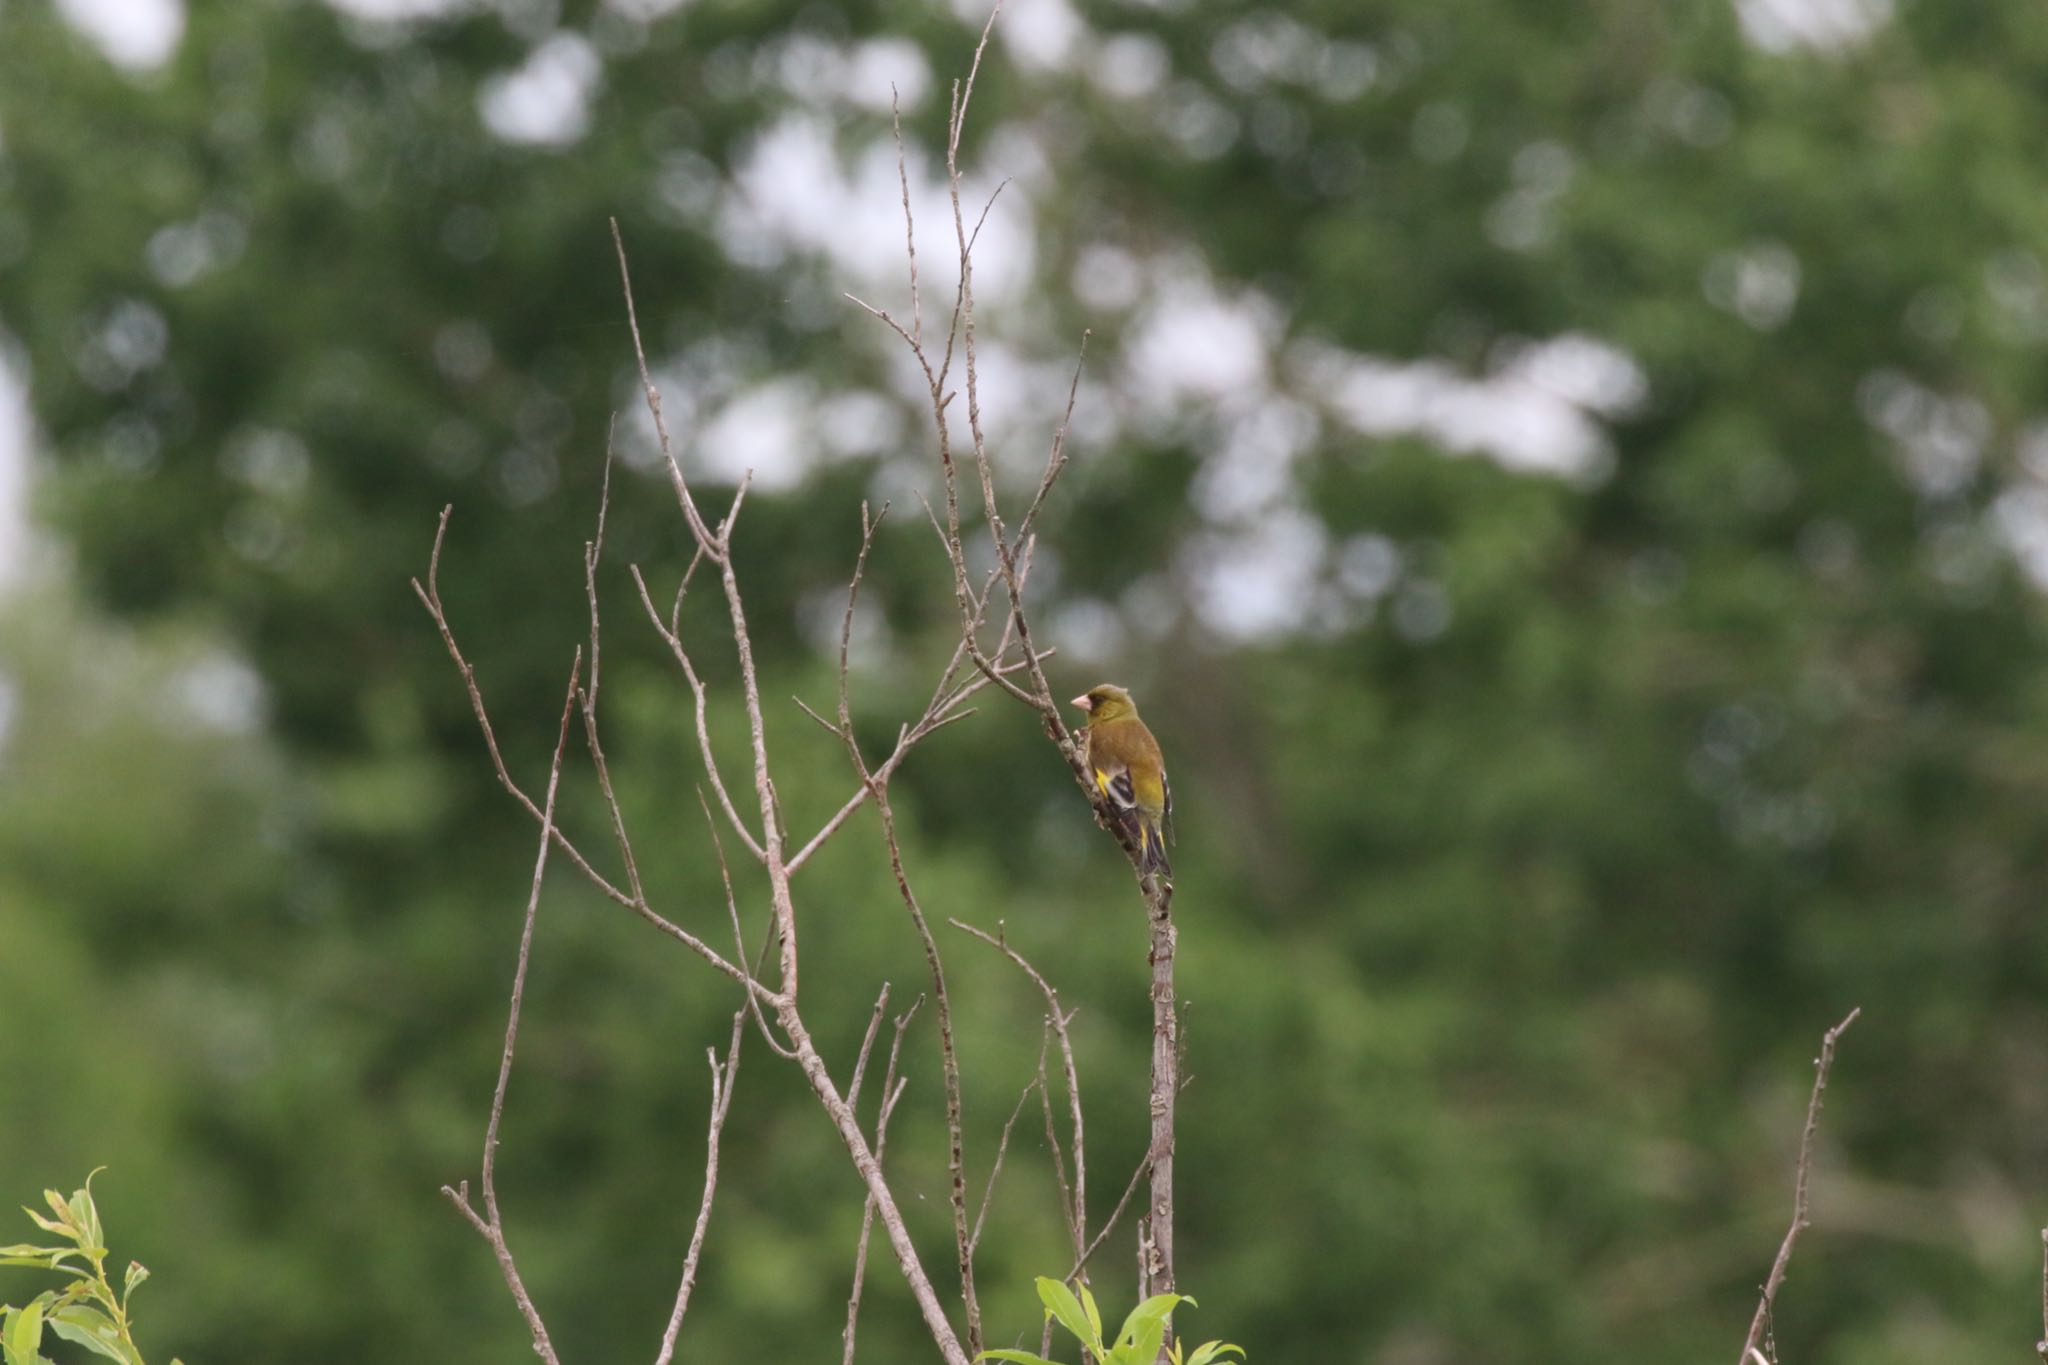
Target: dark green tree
[{"x": 1542, "y": 816}]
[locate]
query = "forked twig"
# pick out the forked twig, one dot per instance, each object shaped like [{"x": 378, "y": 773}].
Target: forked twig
[
  {"x": 490, "y": 1224},
  {"x": 784, "y": 999},
  {"x": 1076, "y": 1196},
  {"x": 892, "y": 1091},
  {"x": 430, "y": 597}
]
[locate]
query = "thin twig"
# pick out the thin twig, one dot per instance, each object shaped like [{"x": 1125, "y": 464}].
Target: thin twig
[
  {"x": 739, "y": 938},
  {"x": 592, "y": 553},
  {"x": 1075, "y": 1232},
  {"x": 491, "y": 1223},
  {"x": 892, "y": 1091},
  {"x": 697, "y": 696},
  {"x": 937, "y": 717},
  {"x": 1058, "y": 1019},
  {"x": 909, "y": 226},
  {"x": 867, "y": 1046},
  {"x": 430, "y": 597},
  {"x": 1801, "y": 1209},
  {"x": 995, "y": 1169},
  {"x": 956, "y": 1159},
  {"x": 711, "y": 545},
  {"x": 721, "y": 1104},
  {"x": 716, "y": 547},
  {"x": 868, "y": 527},
  {"x": 1115, "y": 1216}
]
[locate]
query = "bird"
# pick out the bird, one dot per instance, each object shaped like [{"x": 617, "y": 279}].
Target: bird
[{"x": 1129, "y": 774}]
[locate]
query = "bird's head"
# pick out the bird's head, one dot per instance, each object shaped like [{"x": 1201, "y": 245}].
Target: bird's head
[{"x": 1106, "y": 701}]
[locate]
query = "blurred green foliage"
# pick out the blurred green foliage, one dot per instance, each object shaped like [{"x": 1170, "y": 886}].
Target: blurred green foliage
[{"x": 1526, "y": 853}]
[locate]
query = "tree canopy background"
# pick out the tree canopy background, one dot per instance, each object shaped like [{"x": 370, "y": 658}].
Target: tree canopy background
[{"x": 1566, "y": 482}]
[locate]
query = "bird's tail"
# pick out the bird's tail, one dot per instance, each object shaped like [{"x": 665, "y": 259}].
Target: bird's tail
[{"x": 1152, "y": 854}]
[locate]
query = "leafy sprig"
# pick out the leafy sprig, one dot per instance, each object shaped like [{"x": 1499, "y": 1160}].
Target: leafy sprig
[
  {"x": 88, "y": 1310},
  {"x": 1137, "y": 1342}
]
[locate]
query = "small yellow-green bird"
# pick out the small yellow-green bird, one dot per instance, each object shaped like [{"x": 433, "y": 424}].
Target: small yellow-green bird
[{"x": 1129, "y": 773}]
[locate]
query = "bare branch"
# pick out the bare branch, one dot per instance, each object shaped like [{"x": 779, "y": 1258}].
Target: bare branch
[
  {"x": 721, "y": 1104},
  {"x": 491, "y": 1223},
  {"x": 1057, "y": 1019},
  {"x": 882, "y": 313},
  {"x": 1115, "y": 1215},
  {"x": 868, "y": 528},
  {"x": 940, "y": 714},
  {"x": 764, "y": 782},
  {"x": 886, "y": 1209},
  {"x": 811, "y": 711},
  {"x": 739, "y": 938},
  {"x": 430, "y": 597},
  {"x": 711, "y": 545},
  {"x": 592, "y": 552},
  {"x": 892, "y": 1091},
  {"x": 995, "y": 1169},
  {"x": 716, "y": 548},
  {"x": 956, "y": 1159},
  {"x": 1075, "y": 1231},
  {"x": 1155, "y": 1234},
  {"x": 697, "y": 695},
  {"x": 867, "y": 1045},
  {"x": 1056, "y": 459},
  {"x": 675, "y": 611},
  {"x": 909, "y": 226},
  {"x": 1801, "y": 1210}
]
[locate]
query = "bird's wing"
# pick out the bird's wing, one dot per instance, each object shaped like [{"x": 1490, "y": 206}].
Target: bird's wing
[
  {"x": 1166, "y": 820},
  {"x": 1113, "y": 780}
]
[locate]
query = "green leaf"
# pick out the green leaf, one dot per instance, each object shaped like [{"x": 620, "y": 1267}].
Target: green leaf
[
  {"x": 1061, "y": 1303},
  {"x": 1148, "y": 1343},
  {"x": 1094, "y": 1313},
  {"x": 134, "y": 1275},
  {"x": 24, "y": 1332},
  {"x": 47, "y": 1225},
  {"x": 94, "y": 1330},
  {"x": 1017, "y": 1357},
  {"x": 1154, "y": 1310},
  {"x": 43, "y": 1258},
  {"x": 86, "y": 1214},
  {"x": 1210, "y": 1351}
]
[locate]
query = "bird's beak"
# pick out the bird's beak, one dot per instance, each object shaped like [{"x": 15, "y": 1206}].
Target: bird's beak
[{"x": 1082, "y": 702}]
